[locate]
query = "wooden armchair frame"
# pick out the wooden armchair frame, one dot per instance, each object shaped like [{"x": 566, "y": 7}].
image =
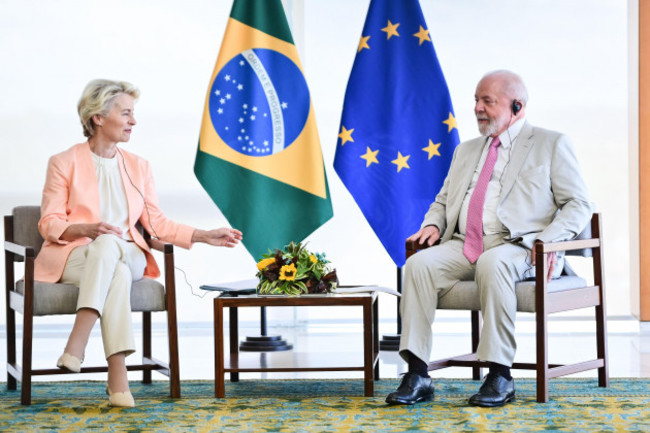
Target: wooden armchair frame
[
  {"x": 23, "y": 303},
  {"x": 548, "y": 302}
]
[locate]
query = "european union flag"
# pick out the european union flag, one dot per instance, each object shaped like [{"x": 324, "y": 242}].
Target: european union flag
[{"x": 398, "y": 130}]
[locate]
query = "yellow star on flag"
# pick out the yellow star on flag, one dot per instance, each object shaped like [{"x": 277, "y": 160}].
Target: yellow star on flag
[
  {"x": 451, "y": 122},
  {"x": 432, "y": 149},
  {"x": 370, "y": 156},
  {"x": 363, "y": 43},
  {"x": 346, "y": 135},
  {"x": 423, "y": 35},
  {"x": 401, "y": 161},
  {"x": 391, "y": 30}
]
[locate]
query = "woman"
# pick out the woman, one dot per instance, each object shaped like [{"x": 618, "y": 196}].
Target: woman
[{"x": 94, "y": 195}]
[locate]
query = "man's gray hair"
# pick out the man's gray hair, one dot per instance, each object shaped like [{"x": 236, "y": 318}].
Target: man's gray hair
[{"x": 513, "y": 85}]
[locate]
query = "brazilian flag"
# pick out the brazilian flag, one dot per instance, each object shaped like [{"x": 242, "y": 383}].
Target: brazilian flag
[{"x": 259, "y": 156}]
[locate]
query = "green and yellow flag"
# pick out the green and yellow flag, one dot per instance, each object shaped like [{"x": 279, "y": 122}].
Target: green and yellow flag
[{"x": 259, "y": 155}]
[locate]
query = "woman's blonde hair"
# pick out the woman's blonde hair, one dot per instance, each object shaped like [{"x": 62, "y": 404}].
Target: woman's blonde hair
[{"x": 98, "y": 98}]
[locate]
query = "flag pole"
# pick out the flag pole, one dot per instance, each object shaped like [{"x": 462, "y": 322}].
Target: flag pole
[{"x": 390, "y": 342}]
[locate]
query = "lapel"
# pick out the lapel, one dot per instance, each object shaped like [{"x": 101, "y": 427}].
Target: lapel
[
  {"x": 519, "y": 153},
  {"x": 460, "y": 183},
  {"x": 468, "y": 168},
  {"x": 87, "y": 174}
]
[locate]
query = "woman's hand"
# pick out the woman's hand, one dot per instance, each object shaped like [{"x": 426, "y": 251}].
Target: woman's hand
[
  {"x": 223, "y": 237},
  {"x": 92, "y": 231}
]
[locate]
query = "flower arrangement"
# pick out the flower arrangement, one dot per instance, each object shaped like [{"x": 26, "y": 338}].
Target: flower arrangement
[{"x": 294, "y": 271}]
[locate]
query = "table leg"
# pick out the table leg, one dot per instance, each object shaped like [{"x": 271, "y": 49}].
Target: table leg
[
  {"x": 368, "y": 349},
  {"x": 234, "y": 339},
  {"x": 219, "y": 385}
]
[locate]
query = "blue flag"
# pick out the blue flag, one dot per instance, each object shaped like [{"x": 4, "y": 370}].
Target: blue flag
[{"x": 398, "y": 130}]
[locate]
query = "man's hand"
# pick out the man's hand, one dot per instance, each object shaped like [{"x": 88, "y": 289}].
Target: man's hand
[
  {"x": 92, "y": 231},
  {"x": 428, "y": 235},
  {"x": 551, "y": 260},
  {"x": 223, "y": 237}
]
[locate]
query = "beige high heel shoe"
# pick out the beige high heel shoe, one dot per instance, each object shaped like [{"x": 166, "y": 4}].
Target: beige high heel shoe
[
  {"x": 120, "y": 399},
  {"x": 69, "y": 362}
]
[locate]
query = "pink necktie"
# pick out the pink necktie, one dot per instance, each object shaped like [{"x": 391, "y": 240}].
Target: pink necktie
[{"x": 474, "y": 231}]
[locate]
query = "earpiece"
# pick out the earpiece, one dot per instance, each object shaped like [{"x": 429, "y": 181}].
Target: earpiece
[{"x": 516, "y": 107}]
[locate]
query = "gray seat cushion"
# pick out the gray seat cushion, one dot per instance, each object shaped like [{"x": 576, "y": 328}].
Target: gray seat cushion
[
  {"x": 465, "y": 296},
  {"x": 55, "y": 298}
]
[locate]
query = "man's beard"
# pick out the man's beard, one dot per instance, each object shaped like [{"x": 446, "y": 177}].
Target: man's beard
[{"x": 487, "y": 129}]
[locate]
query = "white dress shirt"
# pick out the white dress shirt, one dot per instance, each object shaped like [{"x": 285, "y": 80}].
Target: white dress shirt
[
  {"x": 491, "y": 222},
  {"x": 113, "y": 206}
]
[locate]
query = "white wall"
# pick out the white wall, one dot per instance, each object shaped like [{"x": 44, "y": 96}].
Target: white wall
[{"x": 573, "y": 56}]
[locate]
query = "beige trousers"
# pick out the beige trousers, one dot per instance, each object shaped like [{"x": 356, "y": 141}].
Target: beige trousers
[
  {"x": 432, "y": 273},
  {"x": 104, "y": 271}
]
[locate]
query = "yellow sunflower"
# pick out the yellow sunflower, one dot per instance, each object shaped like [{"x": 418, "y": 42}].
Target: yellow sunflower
[
  {"x": 313, "y": 258},
  {"x": 262, "y": 264},
  {"x": 288, "y": 272}
]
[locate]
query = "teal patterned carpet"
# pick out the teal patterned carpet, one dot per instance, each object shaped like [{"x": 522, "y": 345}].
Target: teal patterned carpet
[{"x": 577, "y": 405}]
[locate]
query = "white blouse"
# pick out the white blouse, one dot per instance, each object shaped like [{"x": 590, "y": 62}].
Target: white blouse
[{"x": 113, "y": 207}]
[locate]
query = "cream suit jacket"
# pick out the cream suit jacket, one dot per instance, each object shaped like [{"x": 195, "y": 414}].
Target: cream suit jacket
[
  {"x": 71, "y": 196},
  {"x": 543, "y": 195}
]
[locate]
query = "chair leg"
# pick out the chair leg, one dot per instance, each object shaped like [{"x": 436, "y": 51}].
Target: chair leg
[
  {"x": 11, "y": 347},
  {"x": 10, "y": 313},
  {"x": 146, "y": 344},
  {"x": 542, "y": 357},
  {"x": 476, "y": 332},
  {"x": 26, "y": 381},
  {"x": 601, "y": 313},
  {"x": 172, "y": 327},
  {"x": 601, "y": 346},
  {"x": 172, "y": 335}
]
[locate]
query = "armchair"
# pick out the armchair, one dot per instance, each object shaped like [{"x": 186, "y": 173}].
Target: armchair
[
  {"x": 542, "y": 298},
  {"x": 33, "y": 298}
]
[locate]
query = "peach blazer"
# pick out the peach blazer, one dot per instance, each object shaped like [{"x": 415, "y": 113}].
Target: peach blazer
[{"x": 71, "y": 195}]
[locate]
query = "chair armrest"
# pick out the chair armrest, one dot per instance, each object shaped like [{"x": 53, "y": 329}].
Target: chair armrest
[
  {"x": 156, "y": 244},
  {"x": 19, "y": 250},
  {"x": 413, "y": 247},
  {"x": 549, "y": 247}
]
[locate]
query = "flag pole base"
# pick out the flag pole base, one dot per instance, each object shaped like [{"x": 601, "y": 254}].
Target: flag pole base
[
  {"x": 389, "y": 342},
  {"x": 264, "y": 343}
]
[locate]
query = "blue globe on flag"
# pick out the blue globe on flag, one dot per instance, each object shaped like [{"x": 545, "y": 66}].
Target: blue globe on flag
[{"x": 259, "y": 102}]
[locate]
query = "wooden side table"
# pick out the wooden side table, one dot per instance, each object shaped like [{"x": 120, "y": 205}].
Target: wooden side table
[{"x": 294, "y": 361}]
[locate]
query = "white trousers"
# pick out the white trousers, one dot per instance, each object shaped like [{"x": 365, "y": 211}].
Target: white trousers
[
  {"x": 432, "y": 273},
  {"x": 104, "y": 270}
]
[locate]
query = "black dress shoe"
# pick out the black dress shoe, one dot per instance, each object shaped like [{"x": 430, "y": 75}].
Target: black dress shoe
[
  {"x": 414, "y": 388},
  {"x": 495, "y": 391}
]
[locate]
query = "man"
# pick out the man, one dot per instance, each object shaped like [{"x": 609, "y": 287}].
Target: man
[{"x": 515, "y": 185}]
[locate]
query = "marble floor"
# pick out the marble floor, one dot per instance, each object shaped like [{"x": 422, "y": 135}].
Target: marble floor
[{"x": 570, "y": 339}]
